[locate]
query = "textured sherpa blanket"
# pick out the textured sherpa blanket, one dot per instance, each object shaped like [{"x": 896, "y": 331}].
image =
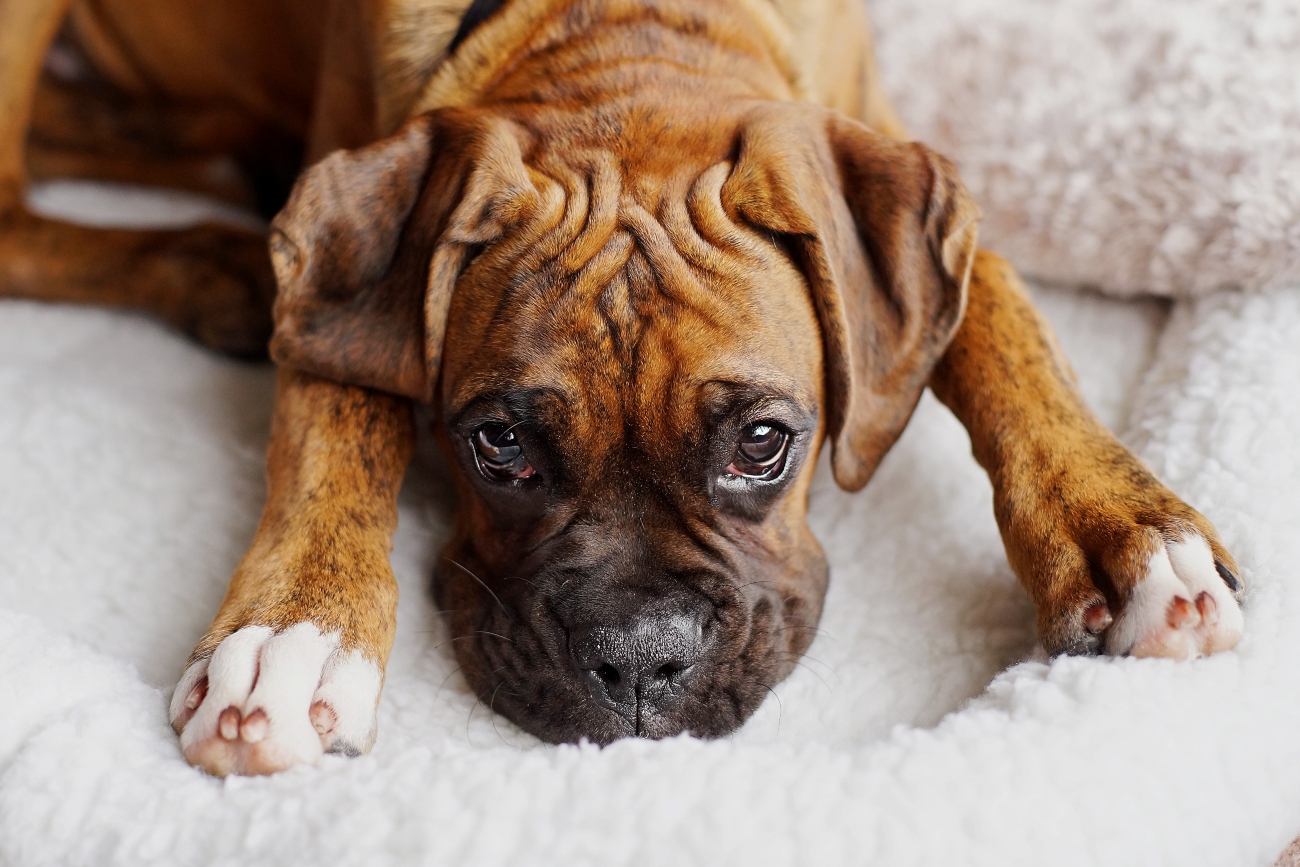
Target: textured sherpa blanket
[
  {"x": 1138, "y": 145},
  {"x": 130, "y": 482},
  {"x": 923, "y": 727}
]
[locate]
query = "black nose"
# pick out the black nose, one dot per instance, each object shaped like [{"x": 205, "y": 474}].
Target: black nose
[{"x": 640, "y": 669}]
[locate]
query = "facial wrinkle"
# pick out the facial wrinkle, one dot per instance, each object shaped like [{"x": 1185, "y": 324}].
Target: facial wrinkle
[{"x": 676, "y": 280}]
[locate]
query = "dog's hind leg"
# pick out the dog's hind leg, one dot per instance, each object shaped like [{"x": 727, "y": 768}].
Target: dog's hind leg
[
  {"x": 83, "y": 126},
  {"x": 1114, "y": 561},
  {"x": 213, "y": 282},
  {"x": 293, "y": 664}
]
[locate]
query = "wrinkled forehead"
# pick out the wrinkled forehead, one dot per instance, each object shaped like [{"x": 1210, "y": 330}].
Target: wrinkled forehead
[{"x": 657, "y": 316}]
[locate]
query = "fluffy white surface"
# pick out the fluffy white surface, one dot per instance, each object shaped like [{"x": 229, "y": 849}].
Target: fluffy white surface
[
  {"x": 1136, "y": 145},
  {"x": 130, "y": 483}
]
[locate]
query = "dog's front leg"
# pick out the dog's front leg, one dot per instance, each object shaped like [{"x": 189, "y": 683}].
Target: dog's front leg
[
  {"x": 1114, "y": 561},
  {"x": 293, "y": 663}
]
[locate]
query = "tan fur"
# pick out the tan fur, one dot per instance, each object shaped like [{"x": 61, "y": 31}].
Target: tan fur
[
  {"x": 587, "y": 183},
  {"x": 1079, "y": 514},
  {"x": 26, "y": 29},
  {"x": 334, "y": 466},
  {"x": 821, "y": 48}
]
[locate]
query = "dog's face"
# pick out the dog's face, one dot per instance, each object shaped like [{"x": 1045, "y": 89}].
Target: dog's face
[
  {"x": 633, "y": 433},
  {"x": 634, "y": 362}
]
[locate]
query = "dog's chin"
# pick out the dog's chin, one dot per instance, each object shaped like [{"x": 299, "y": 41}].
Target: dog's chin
[{"x": 560, "y": 715}]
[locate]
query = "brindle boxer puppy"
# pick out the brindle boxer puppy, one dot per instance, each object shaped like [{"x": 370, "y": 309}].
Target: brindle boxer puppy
[{"x": 642, "y": 258}]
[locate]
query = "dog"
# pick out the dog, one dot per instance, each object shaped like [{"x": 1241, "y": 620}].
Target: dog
[{"x": 642, "y": 258}]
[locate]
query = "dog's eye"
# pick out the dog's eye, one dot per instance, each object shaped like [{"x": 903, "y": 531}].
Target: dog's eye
[
  {"x": 760, "y": 454},
  {"x": 499, "y": 454}
]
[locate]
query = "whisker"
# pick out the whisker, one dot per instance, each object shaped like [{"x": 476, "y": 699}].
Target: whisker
[
  {"x": 525, "y": 580},
  {"x": 471, "y": 635},
  {"x": 479, "y": 580},
  {"x": 443, "y": 685},
  {"x": 780, "y": 706},
  {"x": 811, "y": 629},
  {"x": 478, "y": 700},
  {"x": 492, "y": 708},
  {"x": 450, "y": 640},
  {"x": 809, "y": 669},
  {"x": 830, "y": 669},
  {"x": 814, "y": 674}
]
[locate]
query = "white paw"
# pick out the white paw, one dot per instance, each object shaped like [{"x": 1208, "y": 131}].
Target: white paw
[
  {"x": 265, "y": 701},
  {"x": 1181, "y": 609}
]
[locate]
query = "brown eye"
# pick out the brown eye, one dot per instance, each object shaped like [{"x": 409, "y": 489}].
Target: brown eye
[
  {"x": 499, "y": 454},
  {"x": 760, "y": 454}
]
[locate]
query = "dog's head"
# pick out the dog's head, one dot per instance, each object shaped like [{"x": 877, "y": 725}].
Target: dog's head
[{"x": 634, "y": 354}]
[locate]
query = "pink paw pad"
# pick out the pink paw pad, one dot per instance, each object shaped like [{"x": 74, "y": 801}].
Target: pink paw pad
[
  {"x": 1183, "y": 607},
  {"x": 266, "y": 701}
]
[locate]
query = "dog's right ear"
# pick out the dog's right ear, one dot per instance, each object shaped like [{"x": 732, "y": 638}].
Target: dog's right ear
[{"x": 370, "y": 244}]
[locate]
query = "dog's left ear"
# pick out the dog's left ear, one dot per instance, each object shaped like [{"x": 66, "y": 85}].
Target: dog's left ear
[{"x": 886, "y": 234}]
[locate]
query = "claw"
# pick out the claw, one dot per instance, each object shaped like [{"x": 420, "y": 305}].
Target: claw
[
  {"x": 196, "y": 696},
  {"x": 322, "y": 718},
  {"x": 228, "y": 724},
  {"x": 1097, "y": 617},
  {"x": 1181, "y": 612},
  {"x": 1207, "y": 608},
  {"x": 1233, "y": 582},
  {"x": 253, "y": 729}
]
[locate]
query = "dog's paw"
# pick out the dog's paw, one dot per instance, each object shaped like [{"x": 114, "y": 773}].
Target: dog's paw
[
  {"x": 1182, "y": 608},
  {"x": 224, "y": 288},
  {"x": 1116, "y": 563},
  {"x": 265, "y": 701}
]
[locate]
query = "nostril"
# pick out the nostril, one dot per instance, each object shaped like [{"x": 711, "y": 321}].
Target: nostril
[
  {"x": 640, "y": 667},
  {"x": 609, "y": 674},
  {"x": 667, "y": 670}
]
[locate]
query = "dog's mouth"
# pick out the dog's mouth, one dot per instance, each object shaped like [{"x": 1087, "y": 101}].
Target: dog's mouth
[{"x": 569, "y": 664}]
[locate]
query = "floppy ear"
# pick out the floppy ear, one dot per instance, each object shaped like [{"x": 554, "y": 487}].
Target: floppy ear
[
  {"x": 886, "y": 234},
  {"x": 368, "y": 248}
]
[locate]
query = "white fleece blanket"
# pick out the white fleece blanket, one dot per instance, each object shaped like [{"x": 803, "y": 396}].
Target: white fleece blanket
[
  {"x": 923, "y": 727},
  {"x": 130, "y": 482}
]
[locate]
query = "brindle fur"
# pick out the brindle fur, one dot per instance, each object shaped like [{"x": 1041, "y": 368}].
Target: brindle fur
[{"x": 655, "y": 216}]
